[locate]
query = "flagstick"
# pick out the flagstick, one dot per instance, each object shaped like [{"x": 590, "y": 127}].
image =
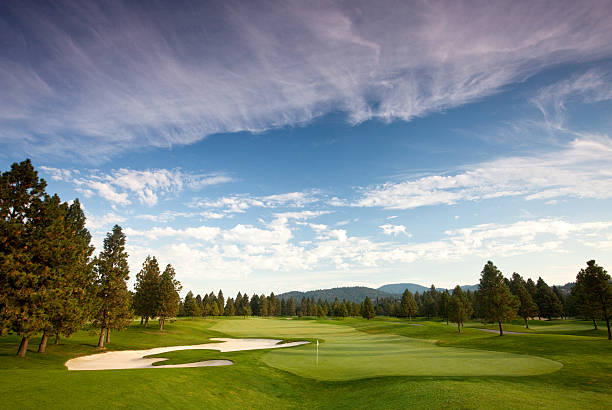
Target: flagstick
[{"x": 317, "y": 352}]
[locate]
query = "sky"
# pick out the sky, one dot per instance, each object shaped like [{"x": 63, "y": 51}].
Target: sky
[{"x": 289, "y": 145}]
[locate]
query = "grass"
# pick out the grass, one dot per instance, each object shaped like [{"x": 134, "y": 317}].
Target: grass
[{"x": 429, "y": 366}]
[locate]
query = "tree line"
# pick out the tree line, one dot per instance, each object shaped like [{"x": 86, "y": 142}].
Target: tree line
[
  {"x": 264, "y": 306},
  {"x": 499, "y": 299},
  {"x": 49, "y": 282}
]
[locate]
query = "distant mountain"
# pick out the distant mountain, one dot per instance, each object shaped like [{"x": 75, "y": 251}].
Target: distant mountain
[
  {"x": 398, "y": 288},
  {"x": 358, "y": 293},
  {"x": 353, "y": 294}
]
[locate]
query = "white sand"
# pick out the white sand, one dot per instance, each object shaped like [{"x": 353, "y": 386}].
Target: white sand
[{"x": 134, "y": 359}]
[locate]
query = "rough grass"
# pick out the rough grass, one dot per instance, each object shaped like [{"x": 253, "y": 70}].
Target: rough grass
[{"x": 584, "y": 381}]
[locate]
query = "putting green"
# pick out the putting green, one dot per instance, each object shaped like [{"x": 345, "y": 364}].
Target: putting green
[{"x": 348, "y": 354}]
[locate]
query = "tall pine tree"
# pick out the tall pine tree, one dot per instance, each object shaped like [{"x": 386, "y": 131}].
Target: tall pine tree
[
  {"x": 20, "y": 278},
  {"x": 113, "y": 300},
  {"x": 146, "y": 289},
  {"x": 498, "y": 304},
  {"x": 168, "y": 296}
]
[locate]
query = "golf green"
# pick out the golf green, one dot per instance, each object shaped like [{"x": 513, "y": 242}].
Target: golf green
[{"x": 348, "y": 354}]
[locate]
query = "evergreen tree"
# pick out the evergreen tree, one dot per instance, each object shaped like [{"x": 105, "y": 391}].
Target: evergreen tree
[
  {"x": 20, "y": 297},
  {"x": 408, "y": 307},
  {"x": 230, "y": 308},
  {"x": 594, "y": 291},
  {"x": 255, "y": 305},
  {"x": 190, "y": 305},
  {"x": 303, "y": 307},
  {"x": 168, "y": 296},
  {"x": 497, "y": 303},
  {"x": 459, "y": 308},
  {"x": 221, "y": 302},
  {"x": 548, "y": 303},
  {"x": 64, "y": 251},
  {"x": 146, "y": 289},
  {"x": 214, "y": 309},
  {"x": 527, "y": 307},
  {"x": 291, "y": 307},
  {"x": 112, "y": 296},
  {"x": 443, "y": 305},
  {"x": 367, "y": 309}
]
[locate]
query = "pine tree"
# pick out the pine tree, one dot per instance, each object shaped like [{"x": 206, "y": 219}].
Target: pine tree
[
  {"x": 20, "y": 303},
  {"x": 168, "y": 296},
  {"x": 497, "y": 303},
  {"x": 146, "y": 289},
  {"x": 291, "y": 307},
  {"x": 595, "y": 292},
  {"x": 548, "y": 303},
  {"x": 221, "y": 302},
  {"x": 367, "y": 309},
  {"x": 64, "y": 251},
  {"x": 408, "y": 307},
  {"x": 191, "y": 307},
  {"x": 527, "y": 307},
  {"x": 459, "y": 308},
  {"x": 112, "y": 296},
  {"x": 443, "y": 305},
  {"x": 230, "y": 308}
]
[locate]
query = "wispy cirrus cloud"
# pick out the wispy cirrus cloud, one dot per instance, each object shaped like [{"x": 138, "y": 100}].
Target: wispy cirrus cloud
[
  {"x": 96, "y": 79},
  {"x": 122, "y": 185},
  {"x": 242, "y": 202},
  {"x": 581, "y": 170},
  {"x": 592, "y": 86}
]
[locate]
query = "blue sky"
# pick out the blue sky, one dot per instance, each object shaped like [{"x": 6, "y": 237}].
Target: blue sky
[{"x": 293, "y": 147}]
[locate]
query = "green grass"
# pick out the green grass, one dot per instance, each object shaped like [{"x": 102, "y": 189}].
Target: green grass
[
  {"x": 348, "y": 354},
  {"x": 362, "y": 364}
]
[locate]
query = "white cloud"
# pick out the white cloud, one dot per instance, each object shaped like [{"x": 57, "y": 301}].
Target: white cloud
[
  {"x": 243, "y": 249},
  {"x": 589, "y": 87},
  {"x": 203, "y": 233},
  {"x": 136, "y": 83},
  {"x": 147, "y": 186},
  {"x": 394, "y": 230},
  {"x": 96, "y": 223},
  {"x": 582, "y": 170},
  {"x": 241, "y": 203}
]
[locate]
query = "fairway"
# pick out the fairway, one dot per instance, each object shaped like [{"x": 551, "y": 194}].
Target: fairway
[{"x": 348, "y": 354}]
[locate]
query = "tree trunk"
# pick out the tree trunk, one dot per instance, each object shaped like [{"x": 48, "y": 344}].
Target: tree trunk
[
  {"x": 23, "y": 347},
  {"x": 107, "y": 335},
  {"x": 101, "y": 339},
  {"x": 458, "y": 327},
  {"x": 605, "y": 312},
  {"x": 42, "y": 347},
  {"x": 141, "y": 320},
  {"x": 501, "y": 330},
  {"x": 447, "y": 321},
  {"x": 57, "y": 338},
  {"x": 161, "y": 324},
  {"x": 146, "y": 321},
  {"x": 595, "y": 323},
  {"x": 526, "y": 324}
]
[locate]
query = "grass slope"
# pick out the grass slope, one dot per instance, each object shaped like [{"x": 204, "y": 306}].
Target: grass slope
[{"x": 584, "y": 381}]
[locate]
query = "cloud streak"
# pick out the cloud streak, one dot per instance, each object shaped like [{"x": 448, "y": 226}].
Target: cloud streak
[
  {"x": 96, "y": 79},
  {"x": 122, "y": 185},
  {"x": 580, "y": 170}
]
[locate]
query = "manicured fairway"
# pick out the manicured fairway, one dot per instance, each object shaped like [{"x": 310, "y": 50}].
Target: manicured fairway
[
  {"x": 359, "y": 367},
  {"x": 347, "y": 354}
]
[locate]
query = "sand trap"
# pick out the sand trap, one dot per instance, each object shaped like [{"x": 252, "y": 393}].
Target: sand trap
[{"x": 135, "y": 359}]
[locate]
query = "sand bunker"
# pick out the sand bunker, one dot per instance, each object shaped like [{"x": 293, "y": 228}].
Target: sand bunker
[{"x": 135, "y": 359}]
